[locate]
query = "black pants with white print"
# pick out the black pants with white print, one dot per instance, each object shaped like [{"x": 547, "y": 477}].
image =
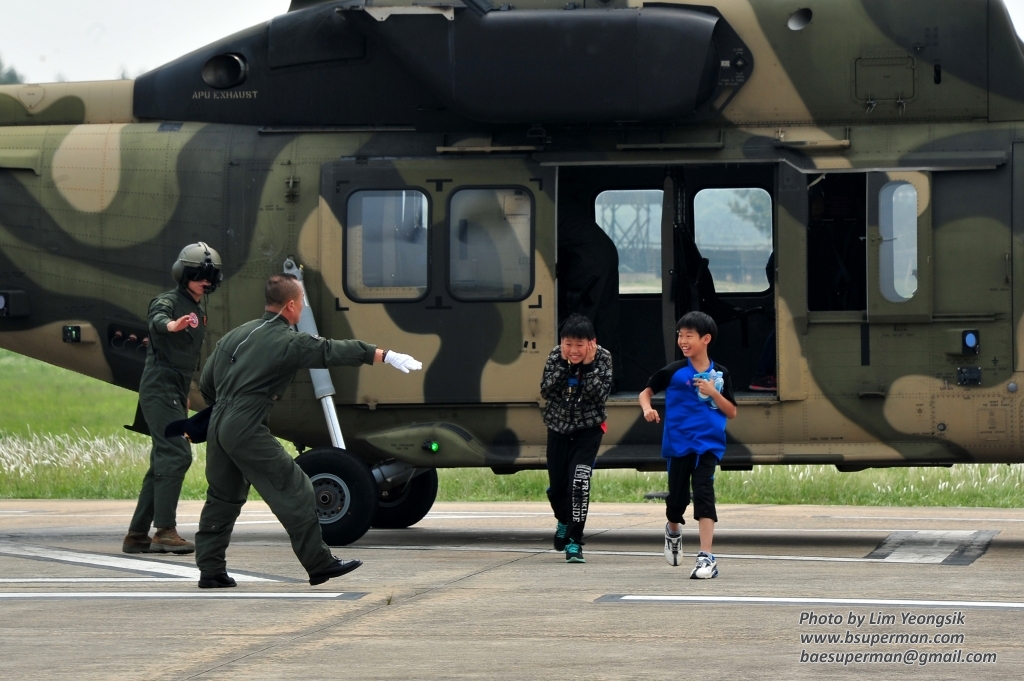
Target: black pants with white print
[{"x": 570, "y": 464}]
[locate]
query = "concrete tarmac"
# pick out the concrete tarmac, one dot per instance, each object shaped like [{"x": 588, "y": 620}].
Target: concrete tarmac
[{"x": 474, "y": 592}]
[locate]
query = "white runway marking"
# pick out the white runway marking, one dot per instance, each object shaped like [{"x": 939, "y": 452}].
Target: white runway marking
[
  {"x": 238, "y": 522},
  {"x": 44, "y": 514},
  {"x": 215, "y": 594},
  {"x": 90, "y": 580},
  {"x": 100, "y": 561},
  {"x": 786, "y": 530},
  {"x": 598, "y": 552},
  {"x": 769, "y": 600},
  {"x": 477, "y": 515},
  {"x": 901, "y": 517}
]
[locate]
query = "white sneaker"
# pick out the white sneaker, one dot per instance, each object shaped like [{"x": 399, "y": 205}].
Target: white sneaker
[
  {"x": 673, "y": 548},
  {"x": 706, "y": 567}
]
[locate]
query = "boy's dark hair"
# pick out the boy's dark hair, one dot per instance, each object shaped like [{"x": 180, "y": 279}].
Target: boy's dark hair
[
  {"x": 701, "y": 322},
  {"x": 578, "y": 327}
]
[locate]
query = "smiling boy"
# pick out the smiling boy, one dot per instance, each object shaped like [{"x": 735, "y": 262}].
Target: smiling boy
[
  {"x": 576, "y": 383},
  {"x": 698, "y": 402}
]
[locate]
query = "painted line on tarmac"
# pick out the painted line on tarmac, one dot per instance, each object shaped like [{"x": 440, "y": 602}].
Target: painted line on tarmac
[
  {"x": 901, "y": 517},
  {"x": 338, "y": 596},
  {"x": 472, "y": 515},
  {"x": 238, "y": 522},
  {"x": 91, "y": 580},
  {"x": 599, "y": 552},
  {"x": 787, "y": 530},
  {"x": 772, "y": 600},
  {"x": 45, "y": 514},
  {"x": 114, "y": 562}
]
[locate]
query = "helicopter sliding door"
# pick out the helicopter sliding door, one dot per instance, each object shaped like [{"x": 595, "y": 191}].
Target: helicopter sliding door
[
  {"x": 939, "y": 272},
  {"x": 450, "y": 260},
  {"x": 791, "y": 290}
]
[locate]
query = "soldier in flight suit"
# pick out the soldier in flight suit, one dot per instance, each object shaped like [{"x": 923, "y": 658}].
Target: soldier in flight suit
[
  {"x": 177, "y": 324},
  {"x": 246, "y": 374}
]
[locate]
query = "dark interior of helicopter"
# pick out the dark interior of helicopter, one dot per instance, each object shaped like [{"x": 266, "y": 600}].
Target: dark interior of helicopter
[{"x": 719, "y": 220}]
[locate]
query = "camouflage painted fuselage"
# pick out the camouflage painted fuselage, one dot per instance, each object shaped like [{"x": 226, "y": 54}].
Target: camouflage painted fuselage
[{"x": 101, "y": 184}]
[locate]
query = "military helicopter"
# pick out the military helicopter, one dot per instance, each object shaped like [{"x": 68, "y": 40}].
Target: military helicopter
[{"x": 835, "y": 182}]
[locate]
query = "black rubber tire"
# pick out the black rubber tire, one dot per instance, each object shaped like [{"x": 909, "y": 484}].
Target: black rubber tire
[
  {"x": 345, "y": 493},
  {"x": 405, "y": 507}
]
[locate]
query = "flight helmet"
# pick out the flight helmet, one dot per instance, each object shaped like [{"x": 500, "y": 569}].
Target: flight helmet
[{"x": 198, "y": 262}]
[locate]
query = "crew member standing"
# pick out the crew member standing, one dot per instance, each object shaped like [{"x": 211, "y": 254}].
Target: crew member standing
[
  {"x": 246, "y": 374},
  {"x": 177, "y": 324}
]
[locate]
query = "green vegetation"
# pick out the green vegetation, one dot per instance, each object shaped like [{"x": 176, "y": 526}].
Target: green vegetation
[
  {"x": 83, "y": 467},
  {"x": 962, "y": 485},
  {"x": 36, "y": 397},
  {"x": 8, "y": 76},
  {"x": 61, "y": 437}
]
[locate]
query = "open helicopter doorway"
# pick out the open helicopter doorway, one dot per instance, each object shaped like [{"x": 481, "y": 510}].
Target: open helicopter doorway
[{"x": 638, "y": 247}]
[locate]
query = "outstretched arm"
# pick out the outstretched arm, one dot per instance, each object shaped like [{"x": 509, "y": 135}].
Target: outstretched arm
[
  {"x": 313, "y": 352},
  {"x": 650, "y": 413}
]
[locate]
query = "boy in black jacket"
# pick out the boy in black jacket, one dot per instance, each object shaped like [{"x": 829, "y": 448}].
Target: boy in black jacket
[{"x": 576, "y": 383}]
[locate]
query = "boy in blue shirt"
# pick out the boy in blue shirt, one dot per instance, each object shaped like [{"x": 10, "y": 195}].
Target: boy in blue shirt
[{"x": 698, "y": 402}]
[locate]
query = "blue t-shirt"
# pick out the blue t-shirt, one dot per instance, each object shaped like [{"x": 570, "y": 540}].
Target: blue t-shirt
[{"x": 692, "y": 426}]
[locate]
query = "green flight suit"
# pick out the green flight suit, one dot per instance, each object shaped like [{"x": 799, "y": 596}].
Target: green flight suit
[
  {"x": 171, "y": 360},
  {"x": 244, "y": 377}
]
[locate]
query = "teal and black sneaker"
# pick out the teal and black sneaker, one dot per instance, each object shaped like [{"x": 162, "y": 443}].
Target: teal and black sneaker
[
  {"x": 560, "y": 531},
  {"x": 573, "y": 552}
]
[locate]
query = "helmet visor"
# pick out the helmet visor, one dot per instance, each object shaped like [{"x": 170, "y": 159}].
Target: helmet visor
[{"x": 206, "y": 272}]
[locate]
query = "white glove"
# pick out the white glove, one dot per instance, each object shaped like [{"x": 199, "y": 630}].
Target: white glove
[{"x": 404, "y": 363}]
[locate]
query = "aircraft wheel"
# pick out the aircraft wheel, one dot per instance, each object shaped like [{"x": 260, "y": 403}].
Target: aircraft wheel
[
  {"x": 405, "y": 506},
  {"x": 344, "y": 492}
]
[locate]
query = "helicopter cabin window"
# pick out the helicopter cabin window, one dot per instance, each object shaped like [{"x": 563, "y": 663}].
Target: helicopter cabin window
[
  {"x": 386, "y": 245},
  {"x": 897, "y": 257},
  {"x": 733, "y": 230},
  {"x": 490, "y": 244},
  {"x": 836, "y": 237},
  {"x": 632, "y": 220}
]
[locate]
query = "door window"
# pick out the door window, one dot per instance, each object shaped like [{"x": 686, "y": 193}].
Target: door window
[
  {"x": 897, "y": 256},
  {"x": 386, "y": 245},
  {"x": 490, "y": 244},
  {"x": 632, "y": 220},
  {"x": 733, "y": 230}
]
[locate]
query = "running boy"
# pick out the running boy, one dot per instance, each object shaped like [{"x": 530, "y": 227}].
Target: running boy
[
  {"x": 577, "y": 380},
  {"x": 698, "y": 401}
]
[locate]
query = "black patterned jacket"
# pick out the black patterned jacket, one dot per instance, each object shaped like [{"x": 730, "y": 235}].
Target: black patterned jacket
[{"x": 573, "y": 407}]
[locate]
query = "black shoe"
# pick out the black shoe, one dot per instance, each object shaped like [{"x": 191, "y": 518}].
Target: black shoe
[
  {"x": 215, "y": 580},
  {"x": 336, "y": 569}
]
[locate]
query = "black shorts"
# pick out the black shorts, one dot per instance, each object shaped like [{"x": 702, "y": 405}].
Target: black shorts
[{"x": 684, "y": 471}]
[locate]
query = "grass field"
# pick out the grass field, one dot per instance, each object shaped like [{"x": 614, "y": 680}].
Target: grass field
[
  {"x": 61, "y": 436},
  {"x": 36, "y": 397}
]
